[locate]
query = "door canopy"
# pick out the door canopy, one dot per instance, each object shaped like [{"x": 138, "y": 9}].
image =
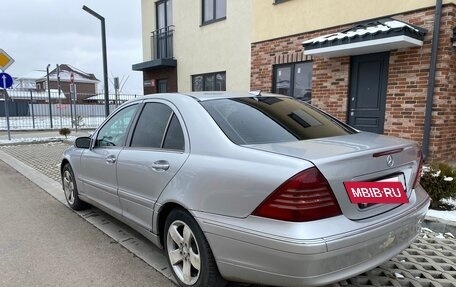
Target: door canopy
[{"x": 365, "y": 38}]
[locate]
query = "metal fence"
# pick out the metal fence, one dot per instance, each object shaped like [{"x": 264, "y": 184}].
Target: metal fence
[{"x": 31, "y": 109}]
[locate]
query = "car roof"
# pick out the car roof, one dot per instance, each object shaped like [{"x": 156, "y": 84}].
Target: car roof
[{"x": 204, "y": 96}]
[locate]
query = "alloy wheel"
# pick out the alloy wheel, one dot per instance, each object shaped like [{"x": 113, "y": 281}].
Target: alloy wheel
[
  {"x": 68, "y": 186},
  {"x": 183, "y": 252}
]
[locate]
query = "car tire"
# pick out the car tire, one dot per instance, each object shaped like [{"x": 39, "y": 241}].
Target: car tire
[
  {"x": 70, "y": 189},
  {"x": 188, "y": 252}
]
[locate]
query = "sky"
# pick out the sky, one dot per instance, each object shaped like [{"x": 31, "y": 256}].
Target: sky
[{"x": 36, "y": 33}]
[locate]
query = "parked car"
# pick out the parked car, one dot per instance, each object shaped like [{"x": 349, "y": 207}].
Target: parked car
[{"x": 247, "y": 187}]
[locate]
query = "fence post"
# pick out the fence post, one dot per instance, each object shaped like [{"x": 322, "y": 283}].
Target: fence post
[
  {"x": 75, "y": 107},
  {"x": 49, "y": 95},
  {"x": 6, "y": 109},
  {"x": 59, "y": 90},
  {"x": 71, "y": 107},
  {"x": 33, "y": 111}
]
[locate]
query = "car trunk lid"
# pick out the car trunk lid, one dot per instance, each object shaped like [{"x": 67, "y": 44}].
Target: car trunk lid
[{"x": 357, "y": 157}]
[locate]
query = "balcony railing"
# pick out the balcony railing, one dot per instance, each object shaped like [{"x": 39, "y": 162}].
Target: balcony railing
[{"x": 162, "y": 43}]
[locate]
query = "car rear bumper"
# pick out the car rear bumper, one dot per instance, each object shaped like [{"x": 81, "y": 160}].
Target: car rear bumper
[{"x": 247, "y": 255}]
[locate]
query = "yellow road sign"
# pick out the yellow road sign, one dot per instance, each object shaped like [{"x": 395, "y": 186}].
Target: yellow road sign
[{"x": 5, "y": 60}]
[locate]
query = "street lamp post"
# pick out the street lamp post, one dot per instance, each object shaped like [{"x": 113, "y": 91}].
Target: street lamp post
[{"x": 105, "y": 60}]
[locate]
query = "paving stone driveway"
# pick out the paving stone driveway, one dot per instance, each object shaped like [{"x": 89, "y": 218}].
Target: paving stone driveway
[
  {"x": 430, "y": 261},
  {"x": 43, "y": 157}
]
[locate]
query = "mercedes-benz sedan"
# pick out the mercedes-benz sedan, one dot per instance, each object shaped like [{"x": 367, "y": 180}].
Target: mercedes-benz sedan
[{"x": 247, "y": 187}]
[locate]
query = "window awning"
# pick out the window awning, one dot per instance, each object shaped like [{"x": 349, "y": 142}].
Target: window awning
[{"x": 365, "y": 38}]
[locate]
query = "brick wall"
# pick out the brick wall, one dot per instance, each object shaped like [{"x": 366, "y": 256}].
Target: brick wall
[
  {"x": 407, "y": 80},
  {"x": 443, "y": 133},
  {"x": 408, "y": 87},
  {"x": 153, "y": 76}
]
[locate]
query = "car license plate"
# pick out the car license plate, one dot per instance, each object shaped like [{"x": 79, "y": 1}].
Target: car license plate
[
  {"x": 396, "y": 178},
  {"x": 400, "y": 178}
]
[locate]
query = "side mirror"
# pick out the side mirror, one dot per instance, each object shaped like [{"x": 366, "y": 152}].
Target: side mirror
[{"x": 82, "y": 142}]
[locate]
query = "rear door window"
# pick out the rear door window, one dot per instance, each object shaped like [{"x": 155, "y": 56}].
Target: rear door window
[
  {"x": 174, "y": 138},
  {"x": 259, "y": 120},
  {"x": 158, "y": 127}
]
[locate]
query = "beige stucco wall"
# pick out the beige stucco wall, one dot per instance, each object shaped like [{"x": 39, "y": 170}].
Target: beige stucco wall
[
  {"x": 298, "y": 16},
  {"x": 148, "y": 25},
  {"x": 220, "y": 46}
]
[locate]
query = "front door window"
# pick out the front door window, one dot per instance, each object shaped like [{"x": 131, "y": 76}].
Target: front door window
[{"x": 114, "y": 132}]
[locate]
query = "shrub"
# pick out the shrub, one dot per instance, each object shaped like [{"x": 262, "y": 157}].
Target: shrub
[
  {"x": 439, "y": 180},
  {"x": 65, "y": 132}
]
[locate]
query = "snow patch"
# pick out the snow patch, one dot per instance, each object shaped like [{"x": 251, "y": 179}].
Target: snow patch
[
  {"x": 440, "y": 236},
  {"x": 449, "y": 234},
  {"x": 449, "y": 215},
  {"x": 15, "y": 141}
]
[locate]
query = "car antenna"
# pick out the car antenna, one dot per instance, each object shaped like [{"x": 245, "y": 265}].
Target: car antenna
[{"x": 256, "y": 93}]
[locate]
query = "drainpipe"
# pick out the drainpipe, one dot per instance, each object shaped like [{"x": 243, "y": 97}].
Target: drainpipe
[{"x": 431, "y": 79}]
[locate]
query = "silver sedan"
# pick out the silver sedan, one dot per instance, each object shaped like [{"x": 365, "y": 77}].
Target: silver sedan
[{"x": 247, "y": 187}]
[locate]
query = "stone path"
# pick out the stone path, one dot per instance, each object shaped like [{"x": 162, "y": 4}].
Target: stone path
[{"x": 43, "y": 157}]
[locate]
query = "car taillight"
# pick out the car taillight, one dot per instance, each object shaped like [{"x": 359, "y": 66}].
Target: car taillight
[
  {"x": 306, "y": 196},
  {"x": 418, "y": 171}
]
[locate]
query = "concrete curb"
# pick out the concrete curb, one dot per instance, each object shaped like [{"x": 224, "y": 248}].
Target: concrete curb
[
  {"x": 440, "y": 225},
  {"x": 122, "y": 234}
]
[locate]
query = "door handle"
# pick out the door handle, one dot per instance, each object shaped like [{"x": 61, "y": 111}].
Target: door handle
[
  {"x": 110, "y": 159},
  {"x": 160, "y": 165}
]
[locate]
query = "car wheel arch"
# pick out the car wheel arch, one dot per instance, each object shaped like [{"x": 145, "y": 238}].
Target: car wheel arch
[
  {"x": 163, "y": 213},
  {"x": 62, "y": 165},
  {"x": 179, "y": 217}
]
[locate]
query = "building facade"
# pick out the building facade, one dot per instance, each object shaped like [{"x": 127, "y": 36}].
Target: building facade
[
  {"x": 195, "y": 45},
  {"x": 369, "y": 64},
  {"x": 370, "y": 67},
  {"x": 86, "y": 83}
]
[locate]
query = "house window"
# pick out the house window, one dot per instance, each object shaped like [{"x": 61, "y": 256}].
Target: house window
[
  {"x": 213, "y": 10},
  {"x": 164, "y": 14},
  {"x": 162, "y": 38},
  {"x": 294, "y": 80},
  {"x": 209, "y": 82}
]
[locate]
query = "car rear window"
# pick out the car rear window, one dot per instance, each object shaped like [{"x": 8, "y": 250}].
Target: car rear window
[{"x": 259, "y": 120}]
